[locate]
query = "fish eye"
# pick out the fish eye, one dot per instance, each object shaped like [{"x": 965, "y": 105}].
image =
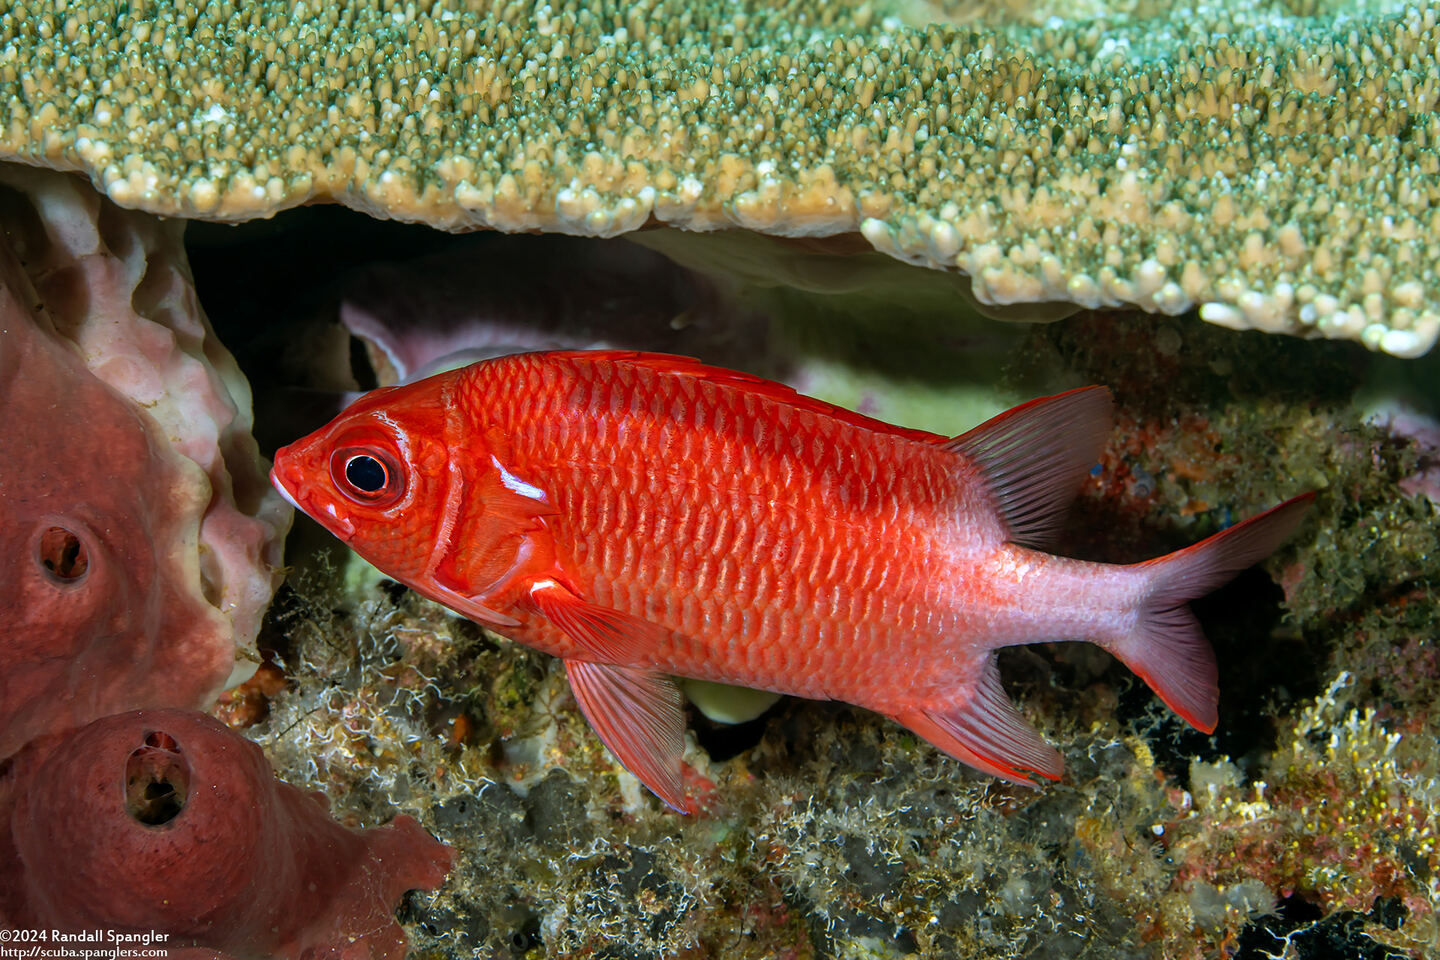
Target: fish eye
[{"x": 367, "y": 475}]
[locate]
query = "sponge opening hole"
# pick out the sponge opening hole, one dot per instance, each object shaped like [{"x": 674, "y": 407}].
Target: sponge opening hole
[
  {"x": 62, "y": 555},
  {"x": 157, "y": 780}
]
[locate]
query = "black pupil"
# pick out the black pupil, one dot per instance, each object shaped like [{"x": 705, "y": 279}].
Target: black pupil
[{"x": 365, "y": 473}]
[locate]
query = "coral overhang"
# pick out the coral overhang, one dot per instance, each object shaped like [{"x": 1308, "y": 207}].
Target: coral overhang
[{"x": 1277, "y": 170}]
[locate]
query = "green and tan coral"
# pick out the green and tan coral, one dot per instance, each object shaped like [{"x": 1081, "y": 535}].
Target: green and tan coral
[{"x": 1274, "y": 164}]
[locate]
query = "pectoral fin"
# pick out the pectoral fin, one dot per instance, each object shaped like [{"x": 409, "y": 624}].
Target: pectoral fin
[
  {"x": 985, "y": 730},
  {"x": 468, "y": 606},
  {"x": 605, "y": 633},
  {"x": 636, "y": 713}
]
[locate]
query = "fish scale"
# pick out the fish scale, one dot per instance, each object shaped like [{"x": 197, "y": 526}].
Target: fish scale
[
  {"x": 645, "y": 517},
  {"x": 848, "y": 626}
]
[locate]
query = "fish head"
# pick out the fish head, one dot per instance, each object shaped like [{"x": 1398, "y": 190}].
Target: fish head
[{"x": 377, "y": 475}]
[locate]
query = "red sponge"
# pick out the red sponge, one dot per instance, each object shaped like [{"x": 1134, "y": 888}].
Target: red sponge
[{"x": 168, "y": 820}]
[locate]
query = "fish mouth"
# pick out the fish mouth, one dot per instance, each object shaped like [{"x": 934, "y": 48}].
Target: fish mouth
[
  {"x": 279, "y": 485},
  {"x": 325, "y": 512}
]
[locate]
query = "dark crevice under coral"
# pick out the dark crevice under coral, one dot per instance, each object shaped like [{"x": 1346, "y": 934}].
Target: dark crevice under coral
[
  {"x": 1299, "y": 928},
  {"x": 1265, "y": 669},
  {"x": 722, "y": 741}
]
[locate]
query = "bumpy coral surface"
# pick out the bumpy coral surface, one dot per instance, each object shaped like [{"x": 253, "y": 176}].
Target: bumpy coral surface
[
  {"x": 1275, "y": 166},
  {"x": 135, "y": 434},
  {"x": 168, "y": 821}
]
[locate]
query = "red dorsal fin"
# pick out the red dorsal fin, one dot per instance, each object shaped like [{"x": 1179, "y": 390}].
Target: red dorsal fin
[
  {"x": 985, "y": 730},
  {"x": 672, "y": 365},
  {"x": 1034, "y": 457},
  {"x": 606, "y": 634},
  {"x": 637, "y": 714}
]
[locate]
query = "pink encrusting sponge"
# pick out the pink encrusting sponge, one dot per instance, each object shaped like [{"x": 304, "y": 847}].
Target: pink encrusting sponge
[{"x": 168, "y": 820}]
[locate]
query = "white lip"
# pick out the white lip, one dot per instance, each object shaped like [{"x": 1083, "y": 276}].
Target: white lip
[
  {"x": 341, "y": 527},
  {"x": 289, "y": 498}
]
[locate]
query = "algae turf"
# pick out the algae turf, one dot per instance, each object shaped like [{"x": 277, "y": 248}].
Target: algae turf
[{"x": 831, "y": 832}]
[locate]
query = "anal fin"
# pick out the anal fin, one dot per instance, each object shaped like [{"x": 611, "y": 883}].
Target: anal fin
[
  {"x": 637, "y": 714},
  {"x": 985, "y": 731}
]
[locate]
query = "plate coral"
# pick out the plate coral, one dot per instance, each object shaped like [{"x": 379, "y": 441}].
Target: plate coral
[{"x": 1273, "y": 165}]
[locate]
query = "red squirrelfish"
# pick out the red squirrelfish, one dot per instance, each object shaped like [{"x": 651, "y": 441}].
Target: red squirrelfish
[{"x": 646, "y": 517}]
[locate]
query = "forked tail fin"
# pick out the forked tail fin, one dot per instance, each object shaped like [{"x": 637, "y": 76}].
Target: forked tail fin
[{"x": 1166, "y": 649}]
